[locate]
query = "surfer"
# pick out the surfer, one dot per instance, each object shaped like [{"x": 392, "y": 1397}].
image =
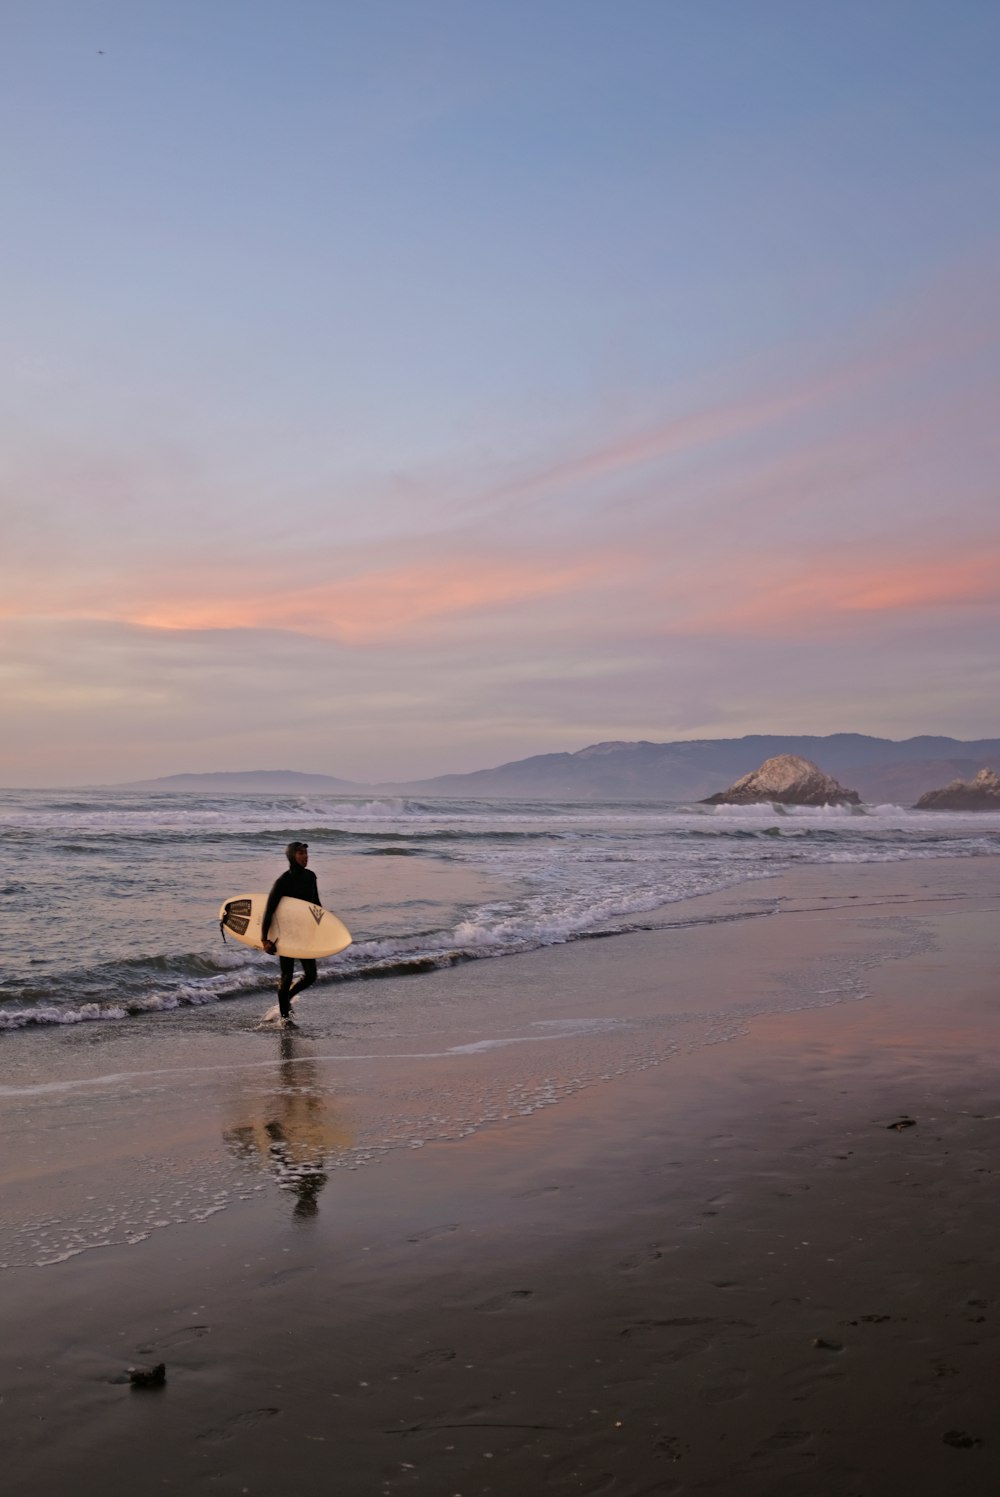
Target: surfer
[{"x": 297, "y": 882}]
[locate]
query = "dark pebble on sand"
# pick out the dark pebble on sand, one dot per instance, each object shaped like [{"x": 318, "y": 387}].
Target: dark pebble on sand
[
  {"x": 148, "y": 1377},
  {"x": 960, "y": 1440}
]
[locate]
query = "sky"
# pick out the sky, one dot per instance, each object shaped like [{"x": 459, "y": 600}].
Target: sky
[{"x": 400, "y": 387}]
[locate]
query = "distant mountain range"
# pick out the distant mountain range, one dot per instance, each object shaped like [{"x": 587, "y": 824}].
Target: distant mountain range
[
  {"x": 253, "y": 781},
  {"x": 880, "y": 769}
]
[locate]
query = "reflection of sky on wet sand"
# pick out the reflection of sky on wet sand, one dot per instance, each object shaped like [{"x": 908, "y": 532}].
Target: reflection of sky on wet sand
[
  {"x": 288, "y": 1126},
  {"x": 908, "y": 1036}
]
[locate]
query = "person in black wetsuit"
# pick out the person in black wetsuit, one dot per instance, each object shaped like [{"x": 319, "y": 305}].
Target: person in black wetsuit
[{"x": 297, "y": 883}]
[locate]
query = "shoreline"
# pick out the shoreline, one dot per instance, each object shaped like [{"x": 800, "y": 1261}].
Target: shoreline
[
  {"x": 617, "y": 1286},
  {"x": 128, "y": 985}
]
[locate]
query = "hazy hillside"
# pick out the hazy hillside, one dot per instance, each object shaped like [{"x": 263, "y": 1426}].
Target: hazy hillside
[
  {"x": 880, "y": 769},
  {"x": 250, "y": 781}
]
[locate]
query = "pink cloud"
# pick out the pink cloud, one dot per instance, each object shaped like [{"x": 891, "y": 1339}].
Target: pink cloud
[
  {"x": 770, "y": 596},
  {"x": 374, "y": 606},
  {"x": 933, "y": 334}
]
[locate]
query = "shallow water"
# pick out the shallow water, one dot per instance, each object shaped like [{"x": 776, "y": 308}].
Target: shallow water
[{"x": 109, "y": 899}]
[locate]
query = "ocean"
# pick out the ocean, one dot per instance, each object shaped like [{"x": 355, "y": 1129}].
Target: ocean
[{"x": 110, "y": 898}]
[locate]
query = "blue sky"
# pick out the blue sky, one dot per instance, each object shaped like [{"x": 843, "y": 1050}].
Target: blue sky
[{"x": 394, "y": 388}]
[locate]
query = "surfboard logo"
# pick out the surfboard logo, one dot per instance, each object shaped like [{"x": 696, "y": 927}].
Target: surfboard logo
[{"x": 316, "y": 911}]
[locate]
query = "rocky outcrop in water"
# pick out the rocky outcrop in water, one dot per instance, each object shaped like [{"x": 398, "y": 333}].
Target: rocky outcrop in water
[
  {"x": 786, "y": 780},
  {"x": 980, "y": 794}
]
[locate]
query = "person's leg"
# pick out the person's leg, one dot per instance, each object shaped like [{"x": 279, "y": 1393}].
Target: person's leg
[
  {"x": 287, "y": 965},
  {"x": 306, "y": 980}
]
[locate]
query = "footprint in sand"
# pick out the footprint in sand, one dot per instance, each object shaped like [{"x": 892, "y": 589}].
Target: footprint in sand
[
  {"x": 652, "y": 1254},
  {"x": 693, "y": 1336},
  {"x": 683, "y": 1323},
  {"x": 434, "y": 1356},
  {"x": 732, "y": 1383},
  {"x": 179, "y": 1337},
  {"x": 605, "y": 1482},
  {"x": 785, "y": 1439},
  {"x": 232, "y": 1427},
  {"x": 504, "y": 1301},
  {"x": 429, "y": 1232},
  {"x": 283, "y": 1275},
  {"x": 595, "y": 1486},
  {"x": 672, "y": 1446}
]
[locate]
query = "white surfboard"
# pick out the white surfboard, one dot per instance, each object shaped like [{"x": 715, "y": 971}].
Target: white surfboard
[{"x": 298, "y": 928}]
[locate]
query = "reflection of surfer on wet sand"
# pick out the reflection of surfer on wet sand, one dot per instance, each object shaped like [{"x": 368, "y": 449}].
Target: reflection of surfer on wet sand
[{"x": 290, "y": 1129}]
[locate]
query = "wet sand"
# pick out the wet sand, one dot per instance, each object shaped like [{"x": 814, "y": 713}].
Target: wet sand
[{"x": 727, "y": 1271}]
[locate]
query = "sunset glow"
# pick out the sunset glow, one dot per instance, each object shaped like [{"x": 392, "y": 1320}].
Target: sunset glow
[{"x": 509, "y": 427}]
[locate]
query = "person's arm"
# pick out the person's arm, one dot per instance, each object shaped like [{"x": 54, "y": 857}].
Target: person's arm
[{"x": 273, "y": 900}]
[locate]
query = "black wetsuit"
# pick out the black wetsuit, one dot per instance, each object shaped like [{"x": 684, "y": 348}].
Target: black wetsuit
[{"x": 297, "y": 883}]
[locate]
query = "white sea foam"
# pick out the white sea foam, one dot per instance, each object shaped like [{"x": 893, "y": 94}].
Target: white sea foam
[{"x": 51, "y": 1014}]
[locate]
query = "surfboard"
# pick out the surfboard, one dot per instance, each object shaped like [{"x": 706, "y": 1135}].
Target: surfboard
[{"x": 298, "y": 928}]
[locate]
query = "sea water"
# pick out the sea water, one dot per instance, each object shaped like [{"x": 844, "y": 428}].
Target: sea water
[{"x": 109, "y": 899}]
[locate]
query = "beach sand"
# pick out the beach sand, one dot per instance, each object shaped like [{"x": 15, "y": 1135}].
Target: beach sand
[{"x": 688, "y": 1253}]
